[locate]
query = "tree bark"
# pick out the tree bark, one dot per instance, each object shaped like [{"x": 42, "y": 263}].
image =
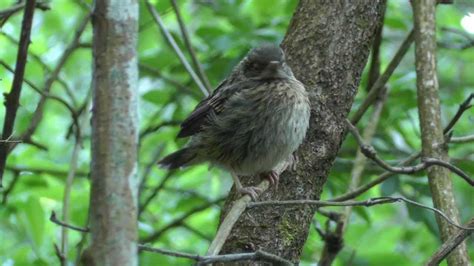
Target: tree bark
[
  {"x": 114, "y": 133},
  {"x": 433, "y": 144},
  {"x": 327, "y": 46}
]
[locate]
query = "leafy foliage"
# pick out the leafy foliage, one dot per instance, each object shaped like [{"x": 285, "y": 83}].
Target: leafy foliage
[{"x": 221, "y": 33}]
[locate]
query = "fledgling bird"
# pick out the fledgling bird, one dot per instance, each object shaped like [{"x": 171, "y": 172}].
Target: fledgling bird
[{"x": 253, "y": 120}]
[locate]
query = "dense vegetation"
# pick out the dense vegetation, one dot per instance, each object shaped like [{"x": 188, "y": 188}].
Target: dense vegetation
[{"x": 181, "y": 209}]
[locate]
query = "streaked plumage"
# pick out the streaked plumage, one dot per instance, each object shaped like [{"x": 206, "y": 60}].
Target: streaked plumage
[{"x": 255, "y": 119}]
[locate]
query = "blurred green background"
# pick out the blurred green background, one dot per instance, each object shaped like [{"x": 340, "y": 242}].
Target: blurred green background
[{"x": 221, "y": 33}]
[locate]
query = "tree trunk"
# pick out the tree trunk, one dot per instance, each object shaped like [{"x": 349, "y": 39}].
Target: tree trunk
[
  {"x": 114, "y": 134},
  {"x": 433, "y": 144},
  {"x": 327, "y": 45}
]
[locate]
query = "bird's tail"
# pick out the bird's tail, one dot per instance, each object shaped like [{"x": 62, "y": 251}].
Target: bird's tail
[{"x": 178, "y": 159}]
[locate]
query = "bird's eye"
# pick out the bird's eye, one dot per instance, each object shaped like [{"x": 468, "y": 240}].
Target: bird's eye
[{"x": 255, "y": 66}]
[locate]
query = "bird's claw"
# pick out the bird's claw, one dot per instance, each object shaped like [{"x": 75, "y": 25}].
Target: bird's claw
[
  {"x": 272, "y": 177},
  {"x": 253, "y": 192}
]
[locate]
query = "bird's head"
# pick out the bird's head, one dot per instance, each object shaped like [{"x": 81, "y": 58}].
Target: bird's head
[{"x": 266, "y": 62}]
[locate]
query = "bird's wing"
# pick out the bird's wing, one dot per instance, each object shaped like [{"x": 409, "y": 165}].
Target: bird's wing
[{"x": 211, "y": 106}]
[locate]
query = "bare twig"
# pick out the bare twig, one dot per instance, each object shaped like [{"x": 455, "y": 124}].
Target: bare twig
[
  {"x": 59, "y": 254},
  {"x": 69, "y": 181},
  {"x": 175, "y": 83},
  {"x": 382, "y": 80},
  {"x": 176, "y": 48},
  {"x": 148, "y": 168},
  {"x": 462, "y": 108},
  {"x": 238, "y": 207},
  {"x": 38, "y": 170},
  {"x": 48, "y": 69},
  {"x": 196, "y": 232},
  {"x": 366, "y": 203},
  {"x": 370, "y": 152},
  {"x": 178, "y": 221},
  {"x": 463, "y": 139},
  {"x": 155, "y": 191},
  {"x": 189, "y": 46},
  {"x": 386, "y": 175},
  {"x": 45, "y": 95},
  {"x": 154, "y": 128},
  {"x": 9, "y": 141},
  {"x": 254, "y": 256},
  {"x": 8, "y": 12},
  {"x": 258, "y": 255},
  {"x": 55, "y": 220},
  {"x": 38, "y": 114},
  {"x": 469, "y": 39},
  {"x": 450, "y": 244},
  {"x": 13, "y": 98}
]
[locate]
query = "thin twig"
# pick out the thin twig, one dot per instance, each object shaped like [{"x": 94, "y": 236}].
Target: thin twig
[
  {"x": 13, "y": 97},
  {"x": 155, "y": 191},
  {"x": 46, "y": 95},
  {"x": 253, "y": 256},
  {"x": 196, "y": 232},
  {"x": 189, "y": 46},
  {"x": 166, "y": 79},
  {"x": 178, "y": 221},
  {"x": 5, "y": 14},
  {"x": 38, "y": 170},
  {"x": 176, "y": 48},
  {"x": 462, "y": 108},
  {"x": 238, "y": 207},
  {"x": 69, "y": 182},
  {"x": 413, "y": 157},
  {"x": 463, "y": 139},
  {"x": 450, "y": 244},
  {"x": 366, "y": 203},
  {"x": 48, "y": 69},
  {"x": 38, "y": 114},
  {"x": 59, "y": 254},
  {"x": 55, "y": 220},
  {"x": 148, "y": 168},
  {"x": 370, "y": 152},
  {"x": 382, "y": 80},
  {"x": 154, "y": 128}
]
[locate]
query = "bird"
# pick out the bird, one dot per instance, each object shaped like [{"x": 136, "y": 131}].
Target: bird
[{"x": 256, "y": 118}]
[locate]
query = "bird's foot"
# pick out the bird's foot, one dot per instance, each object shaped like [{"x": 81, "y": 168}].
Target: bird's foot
[
  {"x": 272, "y": 177},
  {"x": 294, "y": 161},
  {"x": 253, "y": 192}
]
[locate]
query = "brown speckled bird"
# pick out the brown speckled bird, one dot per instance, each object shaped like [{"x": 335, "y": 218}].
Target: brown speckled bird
[{"x": 255, "y": 119}]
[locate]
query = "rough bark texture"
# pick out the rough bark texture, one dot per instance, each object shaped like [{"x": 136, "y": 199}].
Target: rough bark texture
[
  {"x": 114, "y": 134},
  {"x": 430, "y": 121},
  {"x": 327, "y": 45}
]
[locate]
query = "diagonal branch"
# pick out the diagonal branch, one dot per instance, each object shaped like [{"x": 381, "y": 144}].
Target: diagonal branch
[
  {"x": 178, "y": 221},
  {"x": 370, "y": 152},
  {"x": 13, "y": 97},
  {"x": 189, "y": 46},
  {"x": 8, "y": 12},
  {"x": 450, "y": 244},
  {"x": 176, "y": 48},
  {"x": 382, "y": 80},
  {"x": 366, "y": 203},
  {"x": 413, "y": 157}
]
